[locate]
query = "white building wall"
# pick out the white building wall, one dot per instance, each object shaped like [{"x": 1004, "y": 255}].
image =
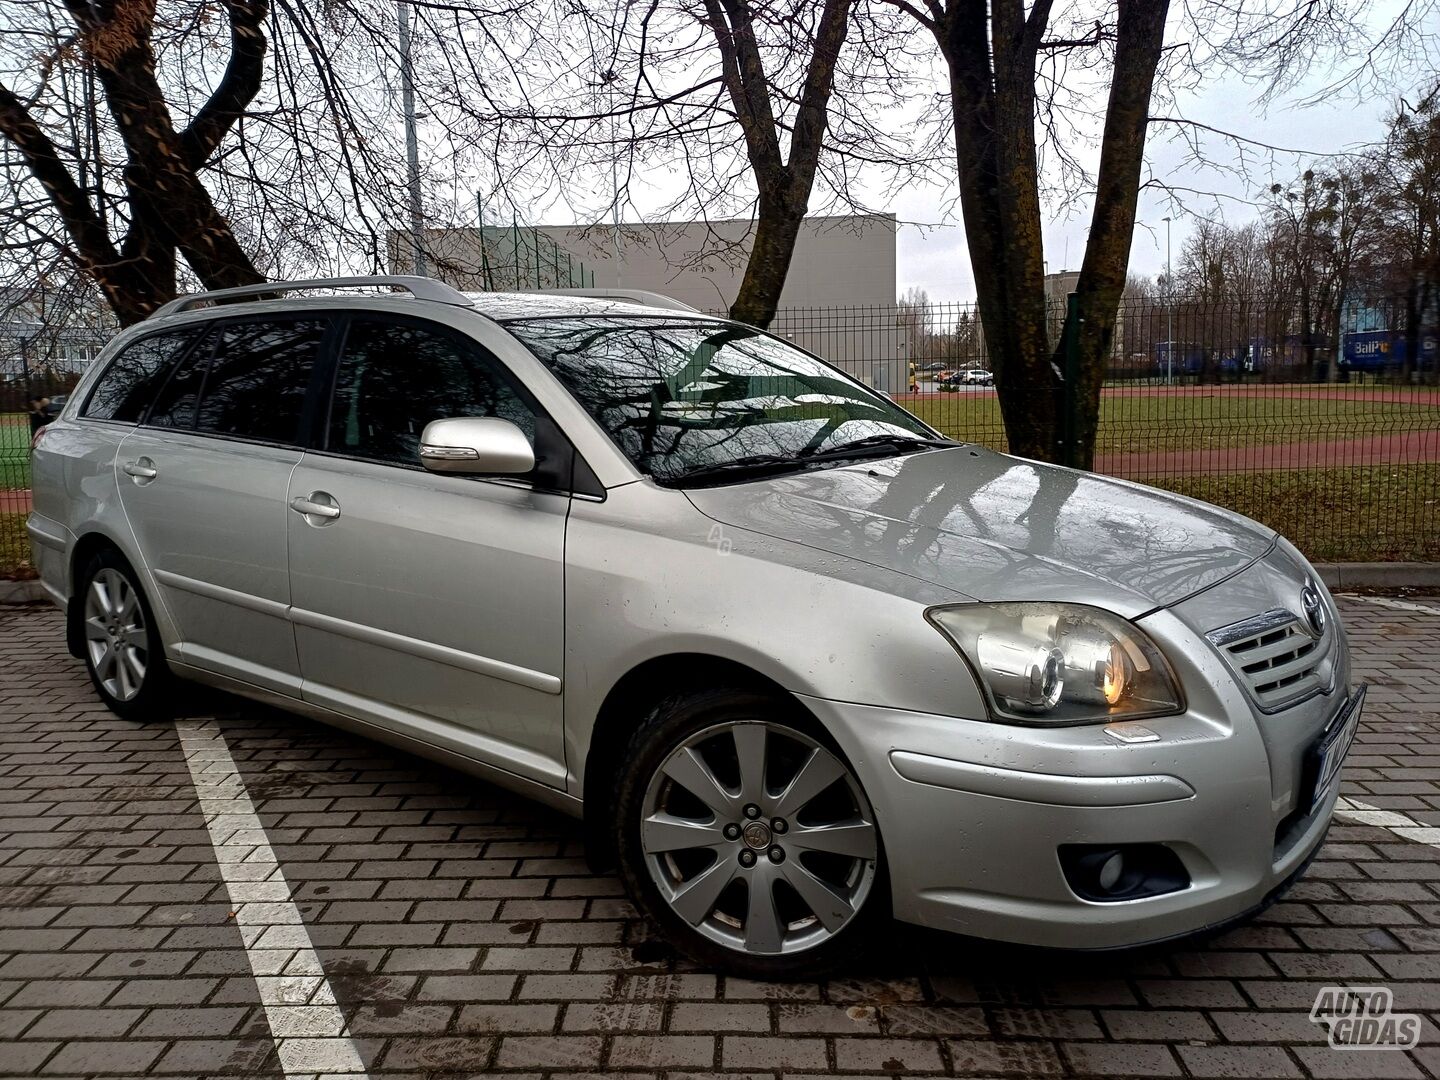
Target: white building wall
[{"x": 840, "y": 263}]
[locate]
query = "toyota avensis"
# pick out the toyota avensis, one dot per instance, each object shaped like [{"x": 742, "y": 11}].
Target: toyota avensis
[{"x": 797, "y": 660}]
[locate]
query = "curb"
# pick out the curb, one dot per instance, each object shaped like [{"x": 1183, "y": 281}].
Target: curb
[
  {"x": 1380, "y": 575},
  {"x": 22, "y": 592}
]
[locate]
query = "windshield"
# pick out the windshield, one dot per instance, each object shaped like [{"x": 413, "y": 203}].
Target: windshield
[{"x": 683, "y": 395}]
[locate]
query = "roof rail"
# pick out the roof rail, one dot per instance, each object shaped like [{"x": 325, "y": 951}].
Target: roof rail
[
  {"x": 644, "y": 297},
  {"x": 422, "y": 288}
]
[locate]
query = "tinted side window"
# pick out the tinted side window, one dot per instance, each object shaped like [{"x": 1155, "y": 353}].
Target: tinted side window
[
  {"x": 174, "y": 405},
  {"x": 127, "y": 386},
  {"x": 394, "y": 378},
  {"x": 255, "y": 388}
]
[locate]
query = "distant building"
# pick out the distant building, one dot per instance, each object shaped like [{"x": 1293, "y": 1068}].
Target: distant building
[
  {"x": 838, "y": 300},
  {"x": 38, "y": 341}
]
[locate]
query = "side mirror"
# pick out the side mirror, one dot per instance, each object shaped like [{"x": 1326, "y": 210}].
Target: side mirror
[{"x": 477, "y": 445}]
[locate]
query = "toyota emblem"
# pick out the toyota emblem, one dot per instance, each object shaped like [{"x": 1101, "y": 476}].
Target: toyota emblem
[{"x": 1314, "y": 609}]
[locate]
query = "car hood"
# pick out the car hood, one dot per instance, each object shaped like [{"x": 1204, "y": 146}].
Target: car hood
[{"x": 994, "y": 527}]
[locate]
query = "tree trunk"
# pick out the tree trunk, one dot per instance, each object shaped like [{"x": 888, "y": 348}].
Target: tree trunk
[
  {"x": 993, "y": 98},
  {"x": 994, "y": 111},
  {"x": 159, "y": 174},
  {"x": 1140, "y": 36},
  {"x": 1337, "y": 320},
  {"x": 784, "y": 183},
  {"x": 1412, "y": 332},
  {"x": 1307, "y": 337},
  {"x": 776, "y": 230}
]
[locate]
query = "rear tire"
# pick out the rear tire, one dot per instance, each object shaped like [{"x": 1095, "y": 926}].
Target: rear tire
[
  {"x": 744, "y": 834},
  {"x": 120, "y": 643}
]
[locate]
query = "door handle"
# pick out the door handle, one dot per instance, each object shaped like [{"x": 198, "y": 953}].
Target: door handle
[
  {"x": 141, "y": 470},
  {"x": 311, "y": 506}
]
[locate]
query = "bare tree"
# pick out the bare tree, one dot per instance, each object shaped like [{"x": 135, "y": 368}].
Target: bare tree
[
  {"x": 719, "y": 109},
  {"x": 784, "y": 181},
  {"x": 1006, "y": 62},
  {"x": 166, "y": 207},
  {"x": 992, "y": 52},
  {"x": 150, "y": 145},
  {"x": 1409, "y": 219}
]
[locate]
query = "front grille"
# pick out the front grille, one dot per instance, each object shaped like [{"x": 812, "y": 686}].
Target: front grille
[{"x": 1276, "y": 655}]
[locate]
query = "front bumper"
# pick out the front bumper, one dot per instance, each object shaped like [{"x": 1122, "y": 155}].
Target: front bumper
[{"x": 972, "y": 815}]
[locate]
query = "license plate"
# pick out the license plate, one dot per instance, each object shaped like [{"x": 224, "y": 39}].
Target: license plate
[{"x": 1328, "y": 755}]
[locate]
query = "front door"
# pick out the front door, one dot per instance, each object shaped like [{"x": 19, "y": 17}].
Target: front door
[
  {"x": 203, "y": 483},
  {"x": 431, "y": 605}
]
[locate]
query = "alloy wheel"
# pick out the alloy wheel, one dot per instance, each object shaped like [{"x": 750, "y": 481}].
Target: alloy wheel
[
  {"x": 116, "y": 639},
  {"x": 759, "y": 837}
]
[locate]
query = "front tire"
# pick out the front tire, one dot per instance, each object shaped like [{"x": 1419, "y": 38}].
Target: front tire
[
  {"x": 746, "y": 836},
  {"x": 121, "y": 643}
]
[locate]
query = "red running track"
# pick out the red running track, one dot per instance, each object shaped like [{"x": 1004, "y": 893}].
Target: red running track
[{"x": 1401, "y": 448}]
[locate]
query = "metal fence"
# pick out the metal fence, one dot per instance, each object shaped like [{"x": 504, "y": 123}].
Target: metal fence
[{"x": 1333, "y": 439}]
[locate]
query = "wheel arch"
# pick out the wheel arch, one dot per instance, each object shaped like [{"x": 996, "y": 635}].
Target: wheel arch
[
  {"x": 634, "y": 694},
  {"x": 85, "y": 548}
]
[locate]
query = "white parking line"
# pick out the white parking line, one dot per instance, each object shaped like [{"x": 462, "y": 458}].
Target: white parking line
[
  {"x": 307, "y": 1025},
  {"x": 1392, "y": 602},
  {"x": 1399, "y": 824}
]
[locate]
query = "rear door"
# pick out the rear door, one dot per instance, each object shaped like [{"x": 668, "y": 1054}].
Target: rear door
[
  {"x": 431, "y": 605},
  {"x": 203, "y": 483}
]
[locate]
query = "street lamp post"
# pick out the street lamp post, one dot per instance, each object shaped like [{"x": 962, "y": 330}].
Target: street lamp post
[
  {"x": 1169, "y": 311},
  {"x": 412, "y": 144}
]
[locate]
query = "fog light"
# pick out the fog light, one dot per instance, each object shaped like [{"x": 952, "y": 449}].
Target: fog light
[
  {"x": 1106, "y": 873},
  {"x": 1110, "y": 871}
]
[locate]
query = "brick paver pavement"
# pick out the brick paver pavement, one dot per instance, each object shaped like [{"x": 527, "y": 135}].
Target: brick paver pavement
[{"x": 462, "y": 933}]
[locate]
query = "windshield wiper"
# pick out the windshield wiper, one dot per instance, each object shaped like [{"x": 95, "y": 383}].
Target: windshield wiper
[
  {"x": 753, "y": 465},
  {"x": 883, "y": 443}
]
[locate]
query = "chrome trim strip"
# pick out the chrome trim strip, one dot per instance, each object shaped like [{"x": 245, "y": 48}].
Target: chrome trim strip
[
  {"x": 1034, "y": 787},
  {"x": 1276, "y": 699},
  {"x": 248, "y": 601},
  {"x": 427, "y": 650},
  {"x": 1263, "y": 623}
]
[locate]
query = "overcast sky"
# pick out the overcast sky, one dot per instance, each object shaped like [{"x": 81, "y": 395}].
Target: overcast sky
[{"x": 935, "y": 258}]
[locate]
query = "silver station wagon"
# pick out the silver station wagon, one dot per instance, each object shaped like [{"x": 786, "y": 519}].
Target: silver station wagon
[{"x": 798, "y": 661}]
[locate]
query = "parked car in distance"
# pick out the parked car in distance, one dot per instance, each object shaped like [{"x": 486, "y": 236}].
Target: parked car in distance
[
  {"x": 57, "y": 402},
  {"x": 797, "y": 660},
  {"x": 966, "y": 377}
]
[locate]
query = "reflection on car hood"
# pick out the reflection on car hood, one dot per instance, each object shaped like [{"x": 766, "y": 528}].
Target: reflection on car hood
[{"x": 995, "y": 527}]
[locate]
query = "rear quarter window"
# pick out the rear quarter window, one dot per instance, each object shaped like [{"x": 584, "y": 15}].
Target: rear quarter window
[{"x": 130, "y": 382}]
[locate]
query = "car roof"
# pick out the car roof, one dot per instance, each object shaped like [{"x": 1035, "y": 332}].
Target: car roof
[{"x": 507, "y": 306}]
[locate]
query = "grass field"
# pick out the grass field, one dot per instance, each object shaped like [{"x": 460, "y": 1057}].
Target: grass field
[
  {"x": 14, "y": 451},
  {"x": 1382, "y": 512},
  {"x": 1198, "y": 420}
]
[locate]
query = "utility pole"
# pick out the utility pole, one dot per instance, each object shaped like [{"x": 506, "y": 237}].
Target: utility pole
[
  {"x": 614, "y": 181},
  {"x": 1169, "y": 311},
  {"x": 412, "y": 145},
  {"x": 484, "y": 256}
]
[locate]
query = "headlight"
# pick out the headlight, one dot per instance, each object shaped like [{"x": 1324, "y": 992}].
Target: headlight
[{"x": 1060, "y": 663}]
